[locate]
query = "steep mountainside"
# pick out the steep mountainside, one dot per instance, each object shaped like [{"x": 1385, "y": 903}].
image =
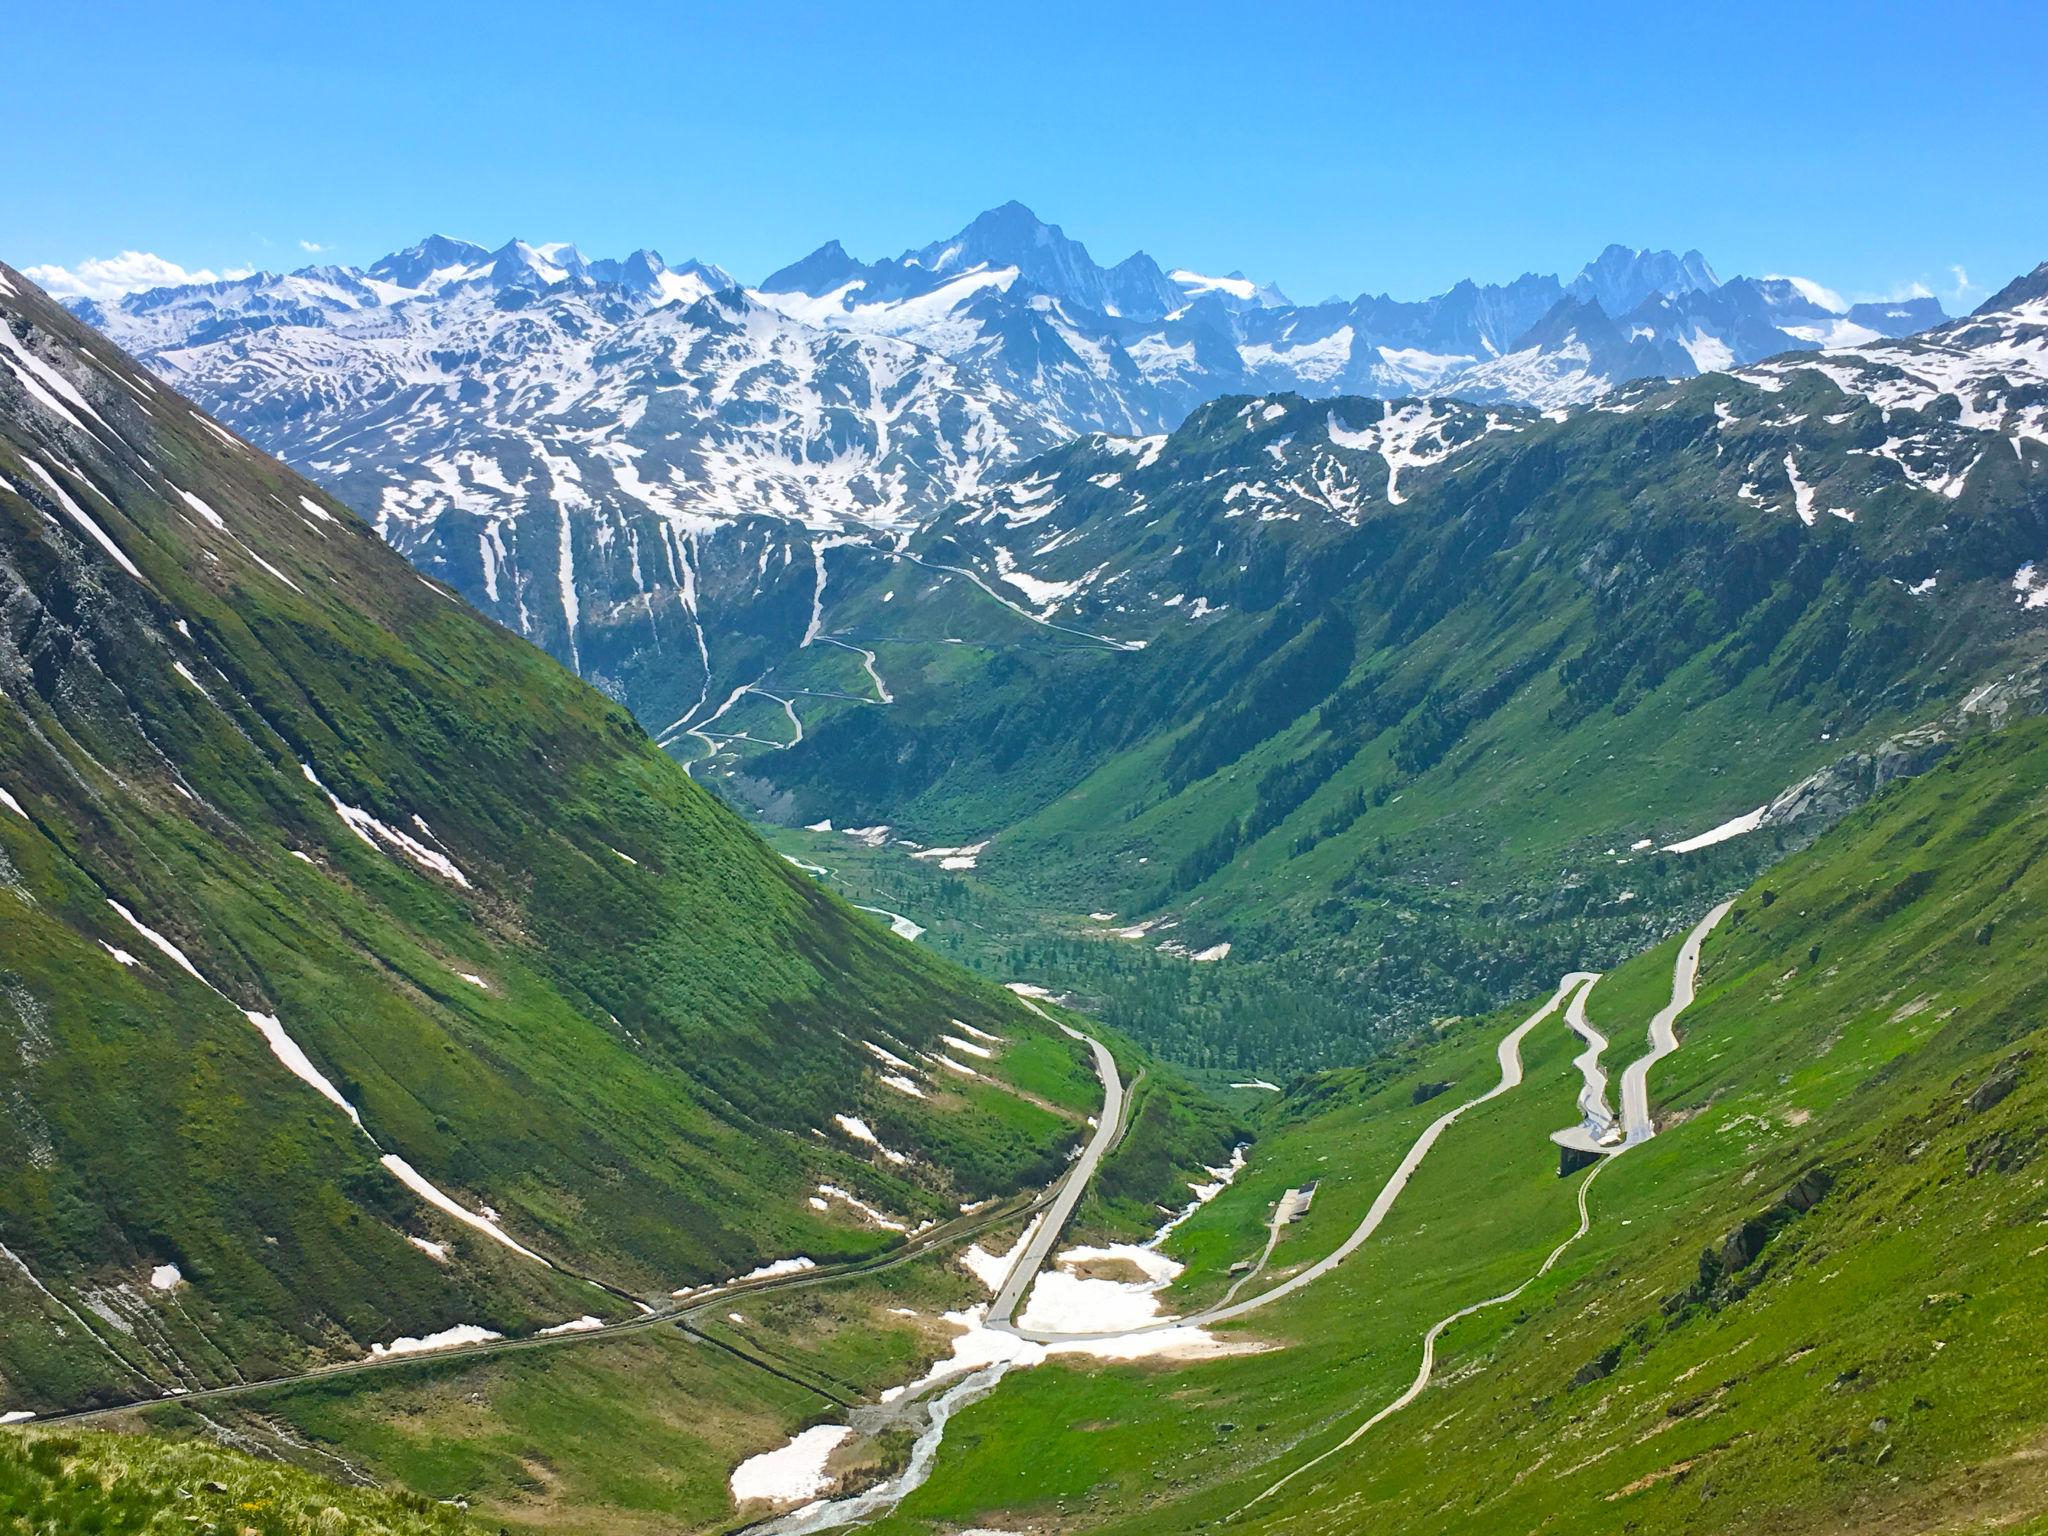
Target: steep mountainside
[
  {"x": 363, "y": 974},
  {"x": 1808, "y": 1304},
  {"x": 1403, "y": 700},
  {"x": 637, "y": 466}
]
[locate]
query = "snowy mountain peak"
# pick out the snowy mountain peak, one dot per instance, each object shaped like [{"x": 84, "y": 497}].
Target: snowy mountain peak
[
  {"x": 519, "y": 265},
  {"x": 1005, "y": 236},
  {"x": 1621, "y": 278},
  {"x": 2021, "y": 290},
  {"x": 1014, "y": 236},
  {"x": 416, "y": 265},
  {"x": 826, "y": 268}
]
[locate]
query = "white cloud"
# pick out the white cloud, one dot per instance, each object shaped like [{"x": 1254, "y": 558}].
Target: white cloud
[
  {"x": 108, "y": 277},
  {"x": 1963, "y": 284},
  {"x": 1898, "y": 293},
  {"x": 1813, "y": 292},
  {"x": 311, "y": 247}
]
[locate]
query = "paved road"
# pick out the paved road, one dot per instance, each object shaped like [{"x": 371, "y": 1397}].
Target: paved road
[
  {"x": 1593, "y": 1096},
  {"x": 1635, "y": 1080},
  {"x": 1598, "y": 1132},
  {"x": 1640, "y": 1128},
  {"x": 1509, "y": 1053},
  {"x": 1108, "y": 1127}
]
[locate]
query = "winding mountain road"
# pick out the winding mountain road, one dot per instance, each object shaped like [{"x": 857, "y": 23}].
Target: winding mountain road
[
  {"x": 1509, "y": 1054},
  {"x": 1635, "y": 1078},
  {"x": 1599, "y": 1119},
  {"x": 1663, "y": 1040}
]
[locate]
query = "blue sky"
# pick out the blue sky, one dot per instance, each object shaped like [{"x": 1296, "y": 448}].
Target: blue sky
[{"x": 1332, "y": 148}]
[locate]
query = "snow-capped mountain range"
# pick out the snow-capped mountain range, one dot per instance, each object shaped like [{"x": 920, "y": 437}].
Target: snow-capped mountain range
[
  {"x": 1131, "y": 535},
  {"x": 600, "y": 453}
]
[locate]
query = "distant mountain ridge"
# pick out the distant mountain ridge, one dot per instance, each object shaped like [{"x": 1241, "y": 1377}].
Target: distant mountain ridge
[{"x": 637, "y": 465}]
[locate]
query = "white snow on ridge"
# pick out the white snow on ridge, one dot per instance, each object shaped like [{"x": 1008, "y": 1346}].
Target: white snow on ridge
[
  {"x": 963, "y": 857},
  {"x": 78, "y": 514},
  {"x": 199, "y": 506},
  {"x": 899, "y": 925},
  {"x": 176, "y": 955},
  {"x": 874, "y": 1215},
  {"x": 298, "y": 1063},
  {"x": 859, "y": 1130},
  {"x": 417, "y": 1182},
  {"x": 49, "y": 388},
  {"x": 1737, "y": 826},
  {"x": 775, "y": 1270}
]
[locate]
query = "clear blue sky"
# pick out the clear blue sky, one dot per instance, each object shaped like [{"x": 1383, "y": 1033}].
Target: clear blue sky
[{"x": 1331, "y": 147}]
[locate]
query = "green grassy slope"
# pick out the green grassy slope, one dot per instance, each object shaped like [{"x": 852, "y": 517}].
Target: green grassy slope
[
  {"x": 550, "y": 973},
  {"x": 1401, "y": 762},
  {"x": 133, "y": 1485},
  {"x": 1809, "y": 1304}
]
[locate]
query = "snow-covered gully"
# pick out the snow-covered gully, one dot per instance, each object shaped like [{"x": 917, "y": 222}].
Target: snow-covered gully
[{"x": 293, "y": 1058}]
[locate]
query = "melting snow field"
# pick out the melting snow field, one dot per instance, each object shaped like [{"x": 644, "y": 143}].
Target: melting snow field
[
  {"x": 447, "y": 1338},
  {"x": 792, "y": 1472},
  {"x": 1749, "y": 821},
  {"x": 1062, "y": 1300},
  {"x": 1065, "y": 1300},
  {"x": 989, "y": 1268},
  {"x": 764, "y": 1272}
]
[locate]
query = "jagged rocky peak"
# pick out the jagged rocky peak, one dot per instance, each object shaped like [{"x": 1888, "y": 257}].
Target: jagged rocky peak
[
  {"x": 1620, "y": 278},
  {"x": 2021, "y": 290}
]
